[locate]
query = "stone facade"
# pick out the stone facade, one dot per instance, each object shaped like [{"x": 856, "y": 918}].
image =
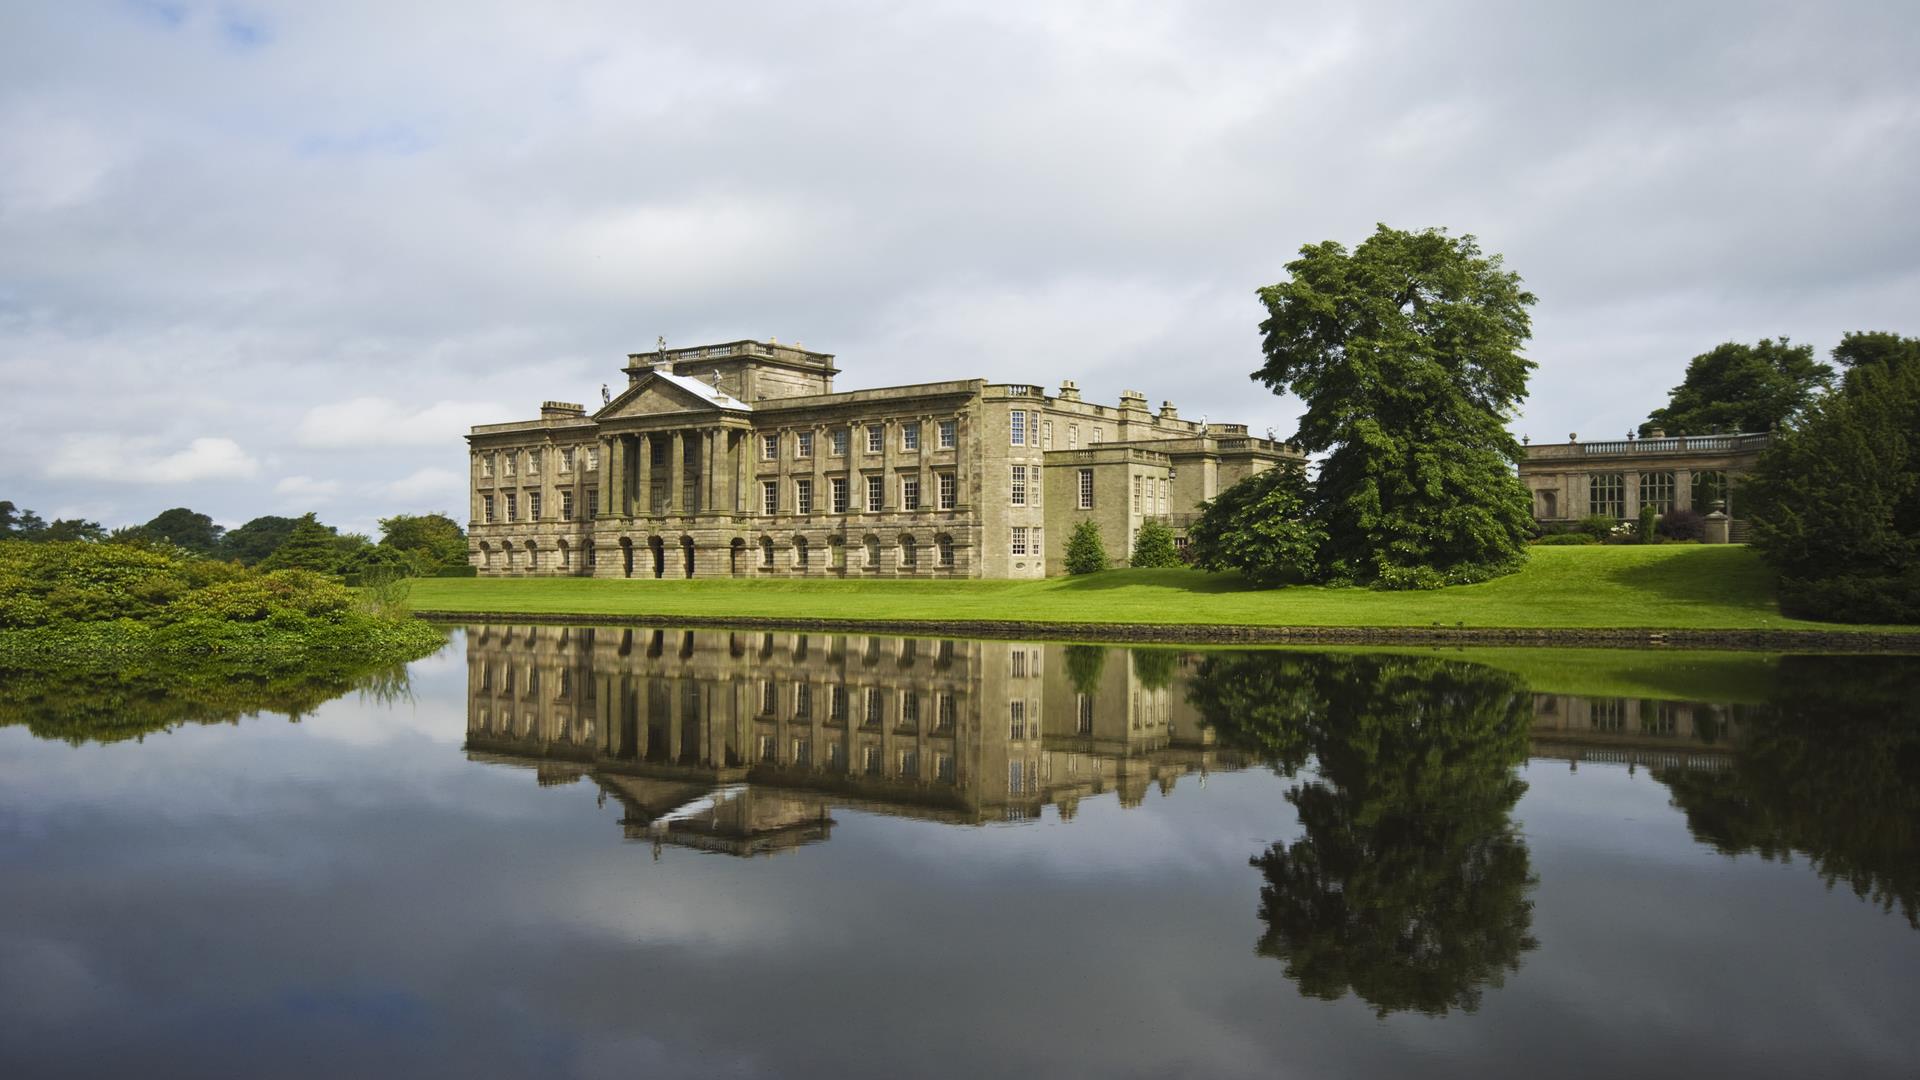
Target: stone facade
[
  {"x": 740, "y": 460},
  {"x": 1574, "y": 480}
]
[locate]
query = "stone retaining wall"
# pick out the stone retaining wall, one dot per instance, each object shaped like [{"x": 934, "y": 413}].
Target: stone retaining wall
[{"x": 1563, "y": 637}]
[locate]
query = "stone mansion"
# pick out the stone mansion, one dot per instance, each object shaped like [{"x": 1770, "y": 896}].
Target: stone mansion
[{"x": 740, "y": 460}]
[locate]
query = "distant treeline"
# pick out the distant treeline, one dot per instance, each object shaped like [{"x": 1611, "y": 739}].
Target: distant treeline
[{"x": 410, "y": 545}]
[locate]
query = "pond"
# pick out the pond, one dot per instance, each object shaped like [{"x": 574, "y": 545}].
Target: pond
[{"x": 606, "y": 851}]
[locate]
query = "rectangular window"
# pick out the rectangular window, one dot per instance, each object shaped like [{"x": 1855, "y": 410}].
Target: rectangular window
[
  {"x": 949, "y": 434},
  {"x": 1086, "y": 489},
  {"x": 1136, "y": 494},
  {"x": 1606, "y": 495},
  {"x": 803, "y": 496},
  {"x": 876, "y": 492},
  {"x": 1019, "y": 546},
  {"x": 949, "y": 491},
  {"x": 910, "y": 711},
  {"x": 1019, "y": 666},
  {"x": 566, "y": 459},
  {"x": 1096, "y": 435},
  {"x": 769, "y": 447},
  {"x": 876, "y": 705},
  {"x": 838, "y": 492},
  {"x": 533, "y": 506},
  {"x": 910, "y": 436},
  {"x": 837, "y": 704},
  {"x": 1164, "y": 502},
  {"x": 909, "y": 493},
  {"x": 506, "y": 460},
  {"x": 1017, "y": 720},
  {"x": 770, "y": 496},
  {"x": 803, "y": 444},
  {"x": 1073, "y": 436},
  {"x": 876, "y": 438},
  {"x": 1656, "y": 490},
  {"x": 1046, "y": 435},
  {"x": 1019, "y": 492},
  {"x": 593, "y": 457},
  {"x": 486, "y": 508},
  {"x": 513, "y": 507},
  {"x": 943, "y": 767},
  {"x": 533, "y": 462},
  {"x": 566, "y": 505},
  {"x": 943, "y": 714},
  {"x": 1017, "y": 422},
  {"x": 486, "y": 464},
  {"x": 837, "y": 442}
]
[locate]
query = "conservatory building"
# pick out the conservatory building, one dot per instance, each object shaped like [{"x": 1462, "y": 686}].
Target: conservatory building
[{"x": 1574, "y": 480}]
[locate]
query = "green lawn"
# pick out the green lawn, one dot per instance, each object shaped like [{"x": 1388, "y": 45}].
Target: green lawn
[{"x": 1664, "y": 587}]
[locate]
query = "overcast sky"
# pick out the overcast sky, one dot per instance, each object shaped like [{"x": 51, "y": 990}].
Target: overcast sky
[{"x": 266, "y": 259}]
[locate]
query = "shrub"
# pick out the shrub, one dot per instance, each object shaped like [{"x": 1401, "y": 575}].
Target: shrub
[
  {"x": 1682, "y": 525},
  {"x": 1598, "y": 526},
  {"x": 1085, "y": 553},
  {"x": 1853, "y": 598},
  {"x": 1153, "y": 546},
  {"x": 1262, "y": 527},
  {"x": 1566, "y": 539},
  {"x": 1645, "y": 533}
]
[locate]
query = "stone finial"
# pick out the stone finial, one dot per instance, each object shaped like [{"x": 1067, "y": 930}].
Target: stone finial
[
  {"x": 1573, "y": 436},
  {"x": 1168, "y": 412},
  {"x": 1069, "y": 390}
]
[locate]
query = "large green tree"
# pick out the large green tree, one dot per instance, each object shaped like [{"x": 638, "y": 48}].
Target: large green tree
[
  {"x": 1863, "y": 349},
  {"x": 1835, "y": 501},
  {"x": 432, "y": 541},
  {"x": 1410, "y": 884},
  {"x": 1406, "y": 351},
  {"x": 184, "y": 528},
  {"x": 310, "y": 545},
  {"x": 257, "y": 538},
  {"x": 1736, "y": 387}
]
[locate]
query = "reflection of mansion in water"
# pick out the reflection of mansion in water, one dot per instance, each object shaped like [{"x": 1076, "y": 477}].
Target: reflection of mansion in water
[{"x": 744, "y": 741}]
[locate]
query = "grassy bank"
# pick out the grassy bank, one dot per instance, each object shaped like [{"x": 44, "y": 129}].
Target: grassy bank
[{"x": 1722, "y": 587}]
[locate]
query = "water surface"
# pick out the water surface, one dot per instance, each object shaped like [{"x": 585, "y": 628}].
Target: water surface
[{"x": 636, "y": 852}]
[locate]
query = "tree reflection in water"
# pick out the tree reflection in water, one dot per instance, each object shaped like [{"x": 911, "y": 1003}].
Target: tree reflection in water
[
  {"x": 1411, "y": 885},
  {"x": 1830, "y": 768}
]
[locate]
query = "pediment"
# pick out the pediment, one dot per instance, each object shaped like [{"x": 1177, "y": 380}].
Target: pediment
[{"x": 655, "y": 396}]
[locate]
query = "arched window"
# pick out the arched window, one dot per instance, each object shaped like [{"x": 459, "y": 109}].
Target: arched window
[
  {"x": 533, "y": 556},
  {"x": 944, "y": 545},
  {"x": 800, "y": 552},
  {"x": 909, "y": 552},
  {"x": 870, "y": 558},
  {"x": 1656, "y": 490},
  {"x": 1708, "y": 488},
  {"x": 766, "y": 552},
  {"x": 1607, "y": 495}
]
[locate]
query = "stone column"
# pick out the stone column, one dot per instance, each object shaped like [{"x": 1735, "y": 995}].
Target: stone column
[
  {"x": 743, "y": 470},
  {"x": 617, "y": 479},
  {"x": 822, "y": 497},
  {"x": 1683, "y": 489},
  {"x": 643, "y": 449},
  {"x": 889, "y": 499},
  {"x": 676, "y": 470},
  {"x": 603, "y": 494},
  {"x": 709, "y": 461},
  {"x": 929, "y": 438}
]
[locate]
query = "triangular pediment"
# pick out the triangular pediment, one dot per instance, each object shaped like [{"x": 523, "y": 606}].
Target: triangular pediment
[{"x": 656, "y": 395}]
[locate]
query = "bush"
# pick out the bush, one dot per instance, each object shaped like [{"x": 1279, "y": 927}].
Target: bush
[
  {"x": 1085, "y": 553},
  {"x": 1853, "y": 599},
  {"x": 1645, "y": 533},
  {"x": 1598, "y": 526},
  {"x": 1153, "y": 547},
  {"x": 1682, "y": 525},
  {"x": 1262, "y": 527},
  {"x": 1566, "y": 539}
]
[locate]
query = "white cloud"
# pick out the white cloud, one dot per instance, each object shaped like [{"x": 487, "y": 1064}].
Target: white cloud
[
  {"x": 307, "y": 488},
  {"x": 428, "y": 483},
  {"x": 379, "y": 421},
  {"x": 114, "y": 459}
]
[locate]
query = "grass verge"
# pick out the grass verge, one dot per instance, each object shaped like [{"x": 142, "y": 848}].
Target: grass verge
[{"x": 1678, "y": 587}]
